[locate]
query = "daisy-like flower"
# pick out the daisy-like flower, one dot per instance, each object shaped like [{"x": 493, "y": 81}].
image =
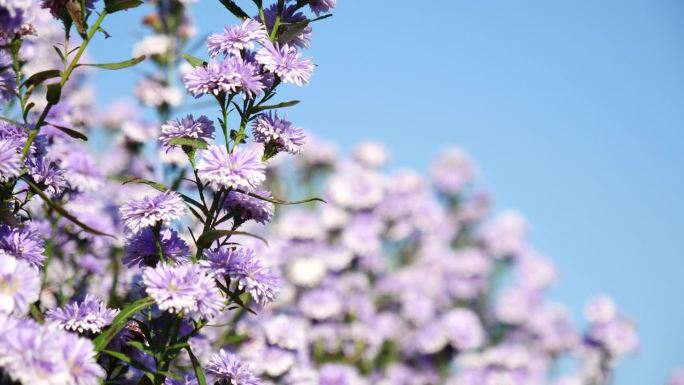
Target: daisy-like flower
[
  {"x": 19, "y": 285},
  {"x": 262, "y": 283},
  {"x": 10, "y": 159},
  {"x": 225, "y": 368},
  {"x": 188, "y": 127},
  {"x": 146, "y": 212},
  {"x": 141, "y": 248},
  {"x": 183, "y": 288},
  {"x": 89, "y": 316},
  {"x": 22, "y": 243},
  {"x": 237, "y": 38},
  {"x": 322, "y": 6},
  {"x": 229, "y": 75},
  {"x": 286, "y": 62},
  {"x": 46, "y": 172},
  {"x": 280, "y": 133},
  {"x": 241, "y": 169},
  {"x": 80, "y": 358},
  {"x": 246, "y": 207}
]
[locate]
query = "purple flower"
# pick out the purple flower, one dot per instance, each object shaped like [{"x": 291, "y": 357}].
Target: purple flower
[
  {"x": 82, "y": 172},
  {"x": 225, "y": 368},
  {"x": 22, "y": 243},
  {"x": 245, "y": 207},
  {"x": 272, "y": 130},
  {"x": 262, "y": 283},
  {"x": 289, "y": 16},
  {"x": 80, "y": 357},
  {"x": 321, "y": 304},
  {"x": 464, "y": 329},
  {"x": 335, "y": 374},
  {"x": 286, "y": 62},
  {"x": 45, "y": 172},
  {"x": 58, "y": 7},
  {"x": 188, "y": 127},
  {"x": 452, "y": 171},
  {"x": 229, "y": 75},
  {"x": 141, "y": 248},
  {"x": 241, "y": 169},
  {"x": 90, "y": 316},
  {"x": 151, "y": 210},
  {"x": 187, "y": 380},
  {"x": 322, "y": 6},
  {"x": 237, "y": 38},
  {"x": 8, "y": 80},
  {"x": 10, "y": 159},
  {"x": 183, "y": 288},
  {"x": 19, "y": 285}
]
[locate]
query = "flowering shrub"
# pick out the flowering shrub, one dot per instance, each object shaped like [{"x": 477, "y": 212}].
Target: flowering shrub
[{"x": 166, "y": 254}]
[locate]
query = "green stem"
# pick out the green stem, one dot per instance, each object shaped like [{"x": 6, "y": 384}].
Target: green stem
[{"x": 65, "y": 77}]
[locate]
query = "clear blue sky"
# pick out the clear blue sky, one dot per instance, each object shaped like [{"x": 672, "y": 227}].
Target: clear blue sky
[{"x": 574, "y": 111}]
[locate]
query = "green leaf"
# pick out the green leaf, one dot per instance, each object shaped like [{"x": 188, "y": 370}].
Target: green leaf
[
  {"x": 117, "y": 66},
  {"x": 206, "y": 239},
  {"x": 120, "y": 322},
  {"x": 112, "y": 6},
  {"x": 61, "y": 209},
  {"x": 234, "y": 9},
  {"x": 274, "y": 106},
  {"x": 292, "y": 31},
  {"x": 69, "y": 131},
  {"x": 40, "y": 77},
  {"x": 54, "y": 93},
  {"x": 190, "y": 142},
  {"x": 199, "y": 371},
  {"x": 194, "y": 61},
  {"x": 59, "y": 52},
  {"x": 280, "y": 201},
  {"x": 153, "y": 184}
]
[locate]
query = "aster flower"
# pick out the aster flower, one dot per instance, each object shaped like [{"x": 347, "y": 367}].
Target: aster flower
[
  {"x": 229, "y": 75},
  {"x": 246, "y": 207},
  {"x": 237, "y": 38},
  {"x": 58, "y": 7},
  {"x": 22, "y": 243},
  {"x": 82, "y": 173},
  {"x": 89, "y": 316},
  {"x": 286, "y": 62},
  {"x": 290, "y": 15},
  {"x": 277, "y": 133},
  {"x": 141, "y": 248},
  {"x": 10, "y": 159},
  {"x": 225, "y": 368},
  {"x": 150, "y": 210},
  {"x": 46, "y": 172},
  {"x": 322, "y": 6},
  {"x": 8, "y": 82},
  {"x": 241, "y": 169},
  {"x": 188, "y": 127},
  {"x": 79, "y": 355},
  {"x": 262, "y": 283},
  {"x": 19, "y": 285},
  {"x": 183, "y": 288}
]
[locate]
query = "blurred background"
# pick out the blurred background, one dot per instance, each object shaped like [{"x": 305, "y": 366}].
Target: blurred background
[{"x": 573, "y": 111}]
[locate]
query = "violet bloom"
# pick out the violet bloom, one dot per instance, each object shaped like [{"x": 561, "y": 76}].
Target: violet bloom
[
  {"x": 22, "y": 243},
  {"x": 89, "y": 316},
  {"x": 321, "y": 304},
  {"x": 322, "y": 6},
  {"x": 286, "y": 62},
  {"x": 82, "y": 173},
  {"x": 278, "y": 133},
  {"x": 187, "y": 380},
  {"x": 58, "y": 7},
  {"x": 290, "y": 15},
  {"x": 241, "y": 169},
  {"x": 141, "y": 248},
  {"x": 46, "y": 173},
  {"x": 79, "y": 355},
  {"x": 262, "y": 283},
  {"x": 183, "y": 288},
  {"x": 334, "y": 374},
  {"x": 226, "y": 369},
  {"x": 237, "y": 38},
  {"x": 464, "y": 329},
  {"x": 150, "y": 210},
  {"x": 10, "y": 159},
  {"x": 229, "y": 75},
  {"x": 188, "y": 127},
  {"x": 245, "y": 207},
  {"x": 8, "y": 81},
  {"x": 19, "y": 285},
  {"x": 452, "y": 171}
]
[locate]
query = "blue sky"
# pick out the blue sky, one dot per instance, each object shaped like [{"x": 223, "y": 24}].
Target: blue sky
[{"x": 573, "y": 110}]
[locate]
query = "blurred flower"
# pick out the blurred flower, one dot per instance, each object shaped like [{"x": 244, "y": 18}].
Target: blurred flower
[{"x": 19, "y": 285}]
